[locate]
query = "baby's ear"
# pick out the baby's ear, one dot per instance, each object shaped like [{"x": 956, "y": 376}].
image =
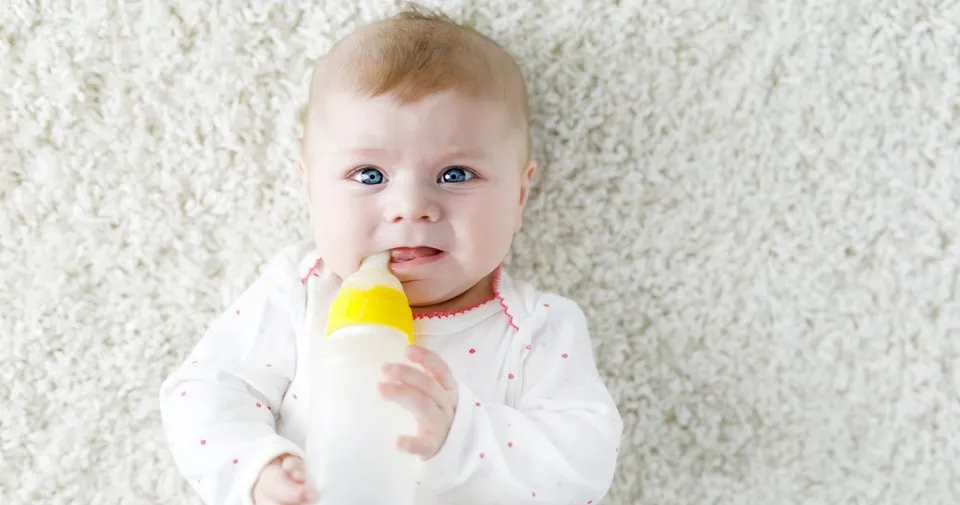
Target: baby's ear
[
  {"x": 304, "y": 177},
  {"x": 526, "y": 179}
]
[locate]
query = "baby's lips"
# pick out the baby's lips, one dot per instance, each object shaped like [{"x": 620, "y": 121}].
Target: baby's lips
[{"x": 412, "y": 253}]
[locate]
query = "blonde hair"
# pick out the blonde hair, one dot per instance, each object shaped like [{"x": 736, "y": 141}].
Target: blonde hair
[{"x": 416, "y": 53}]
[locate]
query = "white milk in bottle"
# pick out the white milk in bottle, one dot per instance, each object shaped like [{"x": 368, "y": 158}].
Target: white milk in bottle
[{"x": 351, "y": 454}]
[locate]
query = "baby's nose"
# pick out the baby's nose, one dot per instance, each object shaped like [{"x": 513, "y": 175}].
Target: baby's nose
[{"x": 414, "y": 210}]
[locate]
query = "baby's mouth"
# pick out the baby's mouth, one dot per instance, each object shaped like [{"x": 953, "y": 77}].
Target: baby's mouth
[{"x": 404, "y": 254}]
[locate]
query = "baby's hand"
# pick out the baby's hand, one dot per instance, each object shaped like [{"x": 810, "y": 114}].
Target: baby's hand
[
  {"x": 431, "y": 397},
  {"x": 282, "y": 482}
]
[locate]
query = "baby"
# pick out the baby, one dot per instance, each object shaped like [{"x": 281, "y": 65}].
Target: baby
[{"x": 415, "y": 141}]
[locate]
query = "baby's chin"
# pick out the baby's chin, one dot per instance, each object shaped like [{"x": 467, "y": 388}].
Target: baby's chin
[
  {"x": 426, "y": 296},
  {"x": 423, "y": 296}
]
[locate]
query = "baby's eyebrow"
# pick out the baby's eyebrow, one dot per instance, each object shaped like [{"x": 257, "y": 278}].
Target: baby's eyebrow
[
  {"x": 462, "y": 154},
  {"x": 367, "y": 151},
  {"x": 444, "y": 157}
]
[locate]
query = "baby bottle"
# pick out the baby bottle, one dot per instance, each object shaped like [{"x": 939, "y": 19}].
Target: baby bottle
[{"x": 351, "y": 439}]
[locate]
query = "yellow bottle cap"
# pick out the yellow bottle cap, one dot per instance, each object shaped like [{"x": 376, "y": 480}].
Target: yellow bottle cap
[{"x": 372, "y": 295}]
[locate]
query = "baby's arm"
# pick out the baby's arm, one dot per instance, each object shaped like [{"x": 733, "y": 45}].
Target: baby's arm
[
  {"x": 219, "y": 407},
  {"x": 559, "y": 444}
]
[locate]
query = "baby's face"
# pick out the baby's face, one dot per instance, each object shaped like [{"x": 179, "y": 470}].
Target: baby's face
[{"x": 441, "y": 183}]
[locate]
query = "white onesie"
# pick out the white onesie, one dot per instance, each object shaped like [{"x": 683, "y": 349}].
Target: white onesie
[{"x": 534, "y": 423}]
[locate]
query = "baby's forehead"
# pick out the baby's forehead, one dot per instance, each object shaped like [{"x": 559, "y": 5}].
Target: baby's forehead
[
  {"x": 442, "y": 117},
  {"x": 455, "y": 110},
  {"x": 413, "y": 56}
]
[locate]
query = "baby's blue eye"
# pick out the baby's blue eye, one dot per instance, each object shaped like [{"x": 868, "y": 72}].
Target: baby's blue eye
[
  {"x": 369, "y": 176},
  {"x": 456, "y": 175}
]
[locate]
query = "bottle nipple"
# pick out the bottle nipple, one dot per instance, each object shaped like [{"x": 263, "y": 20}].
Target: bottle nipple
[{"x": 377, "y": 261}]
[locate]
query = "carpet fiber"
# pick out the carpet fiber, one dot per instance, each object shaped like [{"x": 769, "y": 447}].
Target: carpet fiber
[{"x": 756, "y": 203}]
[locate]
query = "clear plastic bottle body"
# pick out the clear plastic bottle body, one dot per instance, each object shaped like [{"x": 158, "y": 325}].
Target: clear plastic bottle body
[{"x": 351, "y": 452}]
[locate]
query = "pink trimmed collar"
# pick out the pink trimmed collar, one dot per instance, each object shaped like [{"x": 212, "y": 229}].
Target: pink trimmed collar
[
  {"x": 497, "y": 296},
  {"x": 313, "y": 268}
]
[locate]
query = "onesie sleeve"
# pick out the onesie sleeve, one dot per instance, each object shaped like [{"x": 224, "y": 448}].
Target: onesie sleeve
[
  {"x": 219, "y": 407},
  {"x": 558, "y": 443}
]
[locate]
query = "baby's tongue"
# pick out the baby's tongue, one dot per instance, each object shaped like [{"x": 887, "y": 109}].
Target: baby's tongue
[{"x": 411, "y": 253}]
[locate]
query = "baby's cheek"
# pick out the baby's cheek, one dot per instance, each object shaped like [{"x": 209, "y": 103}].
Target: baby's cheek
[
  {"x": 343, "y": 242},
  {"x": 339, "y": 217},
  {"x": 338, "y": 240},
  {"x": 490, "y": 239}
]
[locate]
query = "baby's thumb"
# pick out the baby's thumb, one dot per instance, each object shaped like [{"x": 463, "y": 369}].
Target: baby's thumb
[
  {"x": 322, "y": 284},
  {"x": 320, "y": 279}
]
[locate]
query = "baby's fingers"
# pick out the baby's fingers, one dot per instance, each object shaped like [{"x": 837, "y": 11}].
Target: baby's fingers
[
  {"x": 277, "y": 487},
  {"x": 413, "y": 400},
  {"x": 295, "y": 469},
  {"x": 421, "y": 446}
]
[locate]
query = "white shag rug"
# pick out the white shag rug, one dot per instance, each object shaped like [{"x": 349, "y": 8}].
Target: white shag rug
[{"x": 756, "y": 202}]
